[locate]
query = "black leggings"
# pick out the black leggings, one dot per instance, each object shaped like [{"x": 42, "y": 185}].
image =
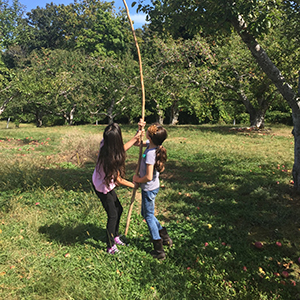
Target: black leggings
[{"x": 114, "y": 211}]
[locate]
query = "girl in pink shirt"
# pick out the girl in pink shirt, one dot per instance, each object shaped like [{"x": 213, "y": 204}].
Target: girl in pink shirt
[{"x": 109, "y": 173}]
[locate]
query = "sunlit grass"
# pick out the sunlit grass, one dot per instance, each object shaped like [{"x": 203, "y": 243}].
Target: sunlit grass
[{"x": 222, "y": 191}]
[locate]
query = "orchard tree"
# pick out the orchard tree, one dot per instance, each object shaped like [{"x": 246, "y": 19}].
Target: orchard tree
[
  {"x": 10, "y": 18},
  {"x": 117, "y": 82},
  {"x": 34, "y": 87},
  {"x": 251, "y": 20},
  {"x": 241, "y": 80},
  {"x": 93, "y": 26},
  {"x": 71, "y": 90},
  {"x": 5, "y": 74},
  {"x": 7, "y": 91},
  {"x": 73, "y": 86},
  {"x": 43, "y": 28},
  {"x": 88, "y": 25},
  {"x": 176, "y": 69},
  {"x": 48, "y": 84}
]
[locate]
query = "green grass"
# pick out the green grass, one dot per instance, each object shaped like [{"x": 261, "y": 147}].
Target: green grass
[{"x": 222, "y": 191}]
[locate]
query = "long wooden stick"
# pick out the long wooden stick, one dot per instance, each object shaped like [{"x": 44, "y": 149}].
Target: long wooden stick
[{"x": 143, "y": 114}]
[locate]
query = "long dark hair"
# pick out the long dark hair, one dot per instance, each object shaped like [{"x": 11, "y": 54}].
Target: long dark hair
[
  {"x": 158, "y": 134},
  {"x": 112, "y": 154}
]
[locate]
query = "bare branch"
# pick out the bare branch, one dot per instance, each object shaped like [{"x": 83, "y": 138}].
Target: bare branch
[
  {"x": 3, "y": 106},
  {"x": 229, "y": 86},
  {"x": 5, "y": 89}
]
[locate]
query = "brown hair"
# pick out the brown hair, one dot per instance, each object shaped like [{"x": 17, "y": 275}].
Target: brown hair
[
  {"x": 158, "y": 134},
  {"x": 112, "y": 154}
]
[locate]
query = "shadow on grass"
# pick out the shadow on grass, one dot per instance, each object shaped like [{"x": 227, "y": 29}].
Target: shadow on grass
[
  {"x": 224, "y": 129},
  {"x": 208, "y": 201},
  {"x": 217, "y": 213},
  {"x": 70, "y": 235},
  {"x": 30, "y": 177}
]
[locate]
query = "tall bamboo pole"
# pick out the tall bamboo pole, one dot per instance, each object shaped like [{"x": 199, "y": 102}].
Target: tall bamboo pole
[{"x": 142, "y": 117}]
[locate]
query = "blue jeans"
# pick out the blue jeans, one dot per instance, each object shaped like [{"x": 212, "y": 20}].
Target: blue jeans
[{"x": 148, "y": 204}]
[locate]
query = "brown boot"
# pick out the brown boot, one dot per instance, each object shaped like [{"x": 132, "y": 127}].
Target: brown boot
[
  {"x": 158, "y": 251},
  {"x": 165, "y": 237}
]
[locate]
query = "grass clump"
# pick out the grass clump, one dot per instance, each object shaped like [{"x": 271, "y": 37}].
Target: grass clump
[{"x": 222, "y": 191}]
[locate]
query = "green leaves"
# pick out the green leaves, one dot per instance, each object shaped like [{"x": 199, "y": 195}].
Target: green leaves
[
  {"x": 71, "y": 85},
  {"x": 177, "y": 70},
  {"x": 213, "y": 16},
  {"x": 91, "y": 26},
  {"x": 10, "y": 19}
]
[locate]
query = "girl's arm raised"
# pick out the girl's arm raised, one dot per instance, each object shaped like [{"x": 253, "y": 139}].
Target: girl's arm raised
[{"x": 134, "y": 141}]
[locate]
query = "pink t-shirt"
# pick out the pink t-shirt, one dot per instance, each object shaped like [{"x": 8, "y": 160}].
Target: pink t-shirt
[{"x": 98, "y": 180}]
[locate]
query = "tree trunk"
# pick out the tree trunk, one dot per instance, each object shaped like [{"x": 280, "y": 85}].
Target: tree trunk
[
  {"x": 7, "y": 123},
  {"x": 71, "y": 118},
  {"x": 110, "y": 118},
  {"x": 257, "y": 115},
  {"x": 257, "y": 118},
  {"x": 174, "y": 114},
  {"x": 159, "y": 114},
  {"x": 296, "y": 167},
  {"x": 266, "y": 64},
  {"x": 283, "y": 87},
  {"x": 296, "y": 133},
  {"x": 160, "y": 118},
  {"x": 38, "y": 118},
  {"x": 110, "y": 111}
]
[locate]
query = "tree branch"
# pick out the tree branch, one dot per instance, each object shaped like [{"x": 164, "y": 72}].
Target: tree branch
[
  {"x": 3, "y": 106},
  {"x": 265, "y": 63}
]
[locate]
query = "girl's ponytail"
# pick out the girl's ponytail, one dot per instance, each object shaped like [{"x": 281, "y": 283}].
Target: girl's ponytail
[
  {"x": 158, "y": 134},
  {"x": 161, "y": 158}
]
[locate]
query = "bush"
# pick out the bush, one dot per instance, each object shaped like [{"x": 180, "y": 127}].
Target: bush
[
  {"x": 243, "y": 118},
  {"x": 276, "y": 116}
]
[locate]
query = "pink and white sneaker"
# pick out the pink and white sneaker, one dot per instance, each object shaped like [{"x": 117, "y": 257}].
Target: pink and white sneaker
[
  {"x": 118, "y": 241},
  {"x": 112, "y": 250}
]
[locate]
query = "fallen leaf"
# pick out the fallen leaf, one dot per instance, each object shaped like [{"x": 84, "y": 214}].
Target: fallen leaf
[{"x": 285, "y": 274}]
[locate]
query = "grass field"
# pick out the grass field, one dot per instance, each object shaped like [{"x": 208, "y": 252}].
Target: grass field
[{"x": 223, "y": 190}]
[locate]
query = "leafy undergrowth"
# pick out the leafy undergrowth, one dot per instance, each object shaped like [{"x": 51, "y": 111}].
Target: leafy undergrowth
[{"x": 226, "y": 199}]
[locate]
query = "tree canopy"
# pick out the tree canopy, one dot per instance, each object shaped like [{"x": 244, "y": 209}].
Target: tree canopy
[
  {"x": 193, "y": 62},
  {"x": 251, "y": 20}
]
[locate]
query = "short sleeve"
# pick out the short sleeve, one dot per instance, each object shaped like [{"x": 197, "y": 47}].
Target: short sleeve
[{"x": 151, "y": 157}]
